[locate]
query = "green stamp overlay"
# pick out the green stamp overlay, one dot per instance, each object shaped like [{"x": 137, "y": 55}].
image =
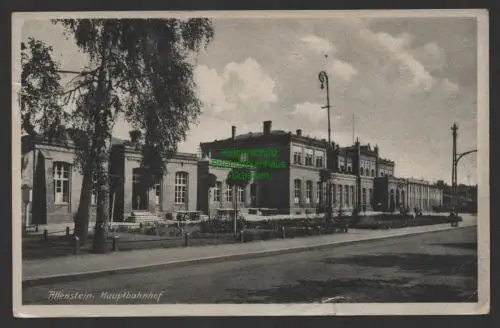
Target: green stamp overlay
[{"x": 265, "y": 158}]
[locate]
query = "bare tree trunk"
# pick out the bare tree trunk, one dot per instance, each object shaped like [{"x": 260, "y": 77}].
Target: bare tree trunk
[
  {"x": 101, "y": 217},
  {"x": 83, "y": 212}
]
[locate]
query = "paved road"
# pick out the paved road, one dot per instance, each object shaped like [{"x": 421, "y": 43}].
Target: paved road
[{"x": 432, "y": 267}]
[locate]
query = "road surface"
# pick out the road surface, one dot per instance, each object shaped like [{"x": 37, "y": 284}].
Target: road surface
[{"x": 432, "y": 267}]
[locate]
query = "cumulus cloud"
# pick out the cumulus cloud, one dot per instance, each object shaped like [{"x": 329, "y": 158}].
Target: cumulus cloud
[
  {"x": 343, "y": 69},
  {"x": 317, "y": 44},
  {"x": 431, "y": 55},
  {"x": 309, "y": 111},
  {"x": 211, "y": 89},
  {"x": 449, "y": 87},
  {"x": 397, "y": 47},
  {"x": 256, "y": 85},
  {"x": 238, "y": 85}
]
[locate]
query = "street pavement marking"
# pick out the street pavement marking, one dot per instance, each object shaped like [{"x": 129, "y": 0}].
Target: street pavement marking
[{"x": 335, "y": 299}]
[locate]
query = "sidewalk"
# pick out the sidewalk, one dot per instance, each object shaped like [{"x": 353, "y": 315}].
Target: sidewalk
[{"x": 55, "y": 269}]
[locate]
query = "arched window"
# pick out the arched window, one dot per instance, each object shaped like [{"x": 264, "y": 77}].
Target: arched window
[
  {"x": 309, "y": 191},
  {"x": 181, "y": 185},
  {"x": 367, "y": 172},
  {"x": 361, "y": 171},
  {"x": 373, "y": 172},
  {"x": 62, "y": 178},
  {"x": 297, "y": 190}
]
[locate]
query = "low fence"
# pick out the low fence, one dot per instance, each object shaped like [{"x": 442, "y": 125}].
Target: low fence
[{"x": 126, "y": 236}]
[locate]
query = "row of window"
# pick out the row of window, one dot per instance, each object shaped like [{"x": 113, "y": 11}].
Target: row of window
[
  {"x": 364, "y": 172},
  {"x": 180, "y": 189},
  {"x": 228, "y": 193},
  {"x": 62, "y": 178},
  {"x": 343, "y": 193},
  {"x": 309, "y": 159}
]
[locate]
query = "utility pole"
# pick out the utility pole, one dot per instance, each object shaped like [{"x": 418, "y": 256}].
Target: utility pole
[
  {"x": 353, "y": 127},
  {"x": 454, "y": 129},
  {"x": 456, "y": 158},
  {"x": 323, "y": 78}
]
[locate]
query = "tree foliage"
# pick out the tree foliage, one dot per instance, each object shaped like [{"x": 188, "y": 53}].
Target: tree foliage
[
  {"x": 149, "y": 79},
  {"x": 141, "y": 69},
  {"x": 41, "y": 111}
]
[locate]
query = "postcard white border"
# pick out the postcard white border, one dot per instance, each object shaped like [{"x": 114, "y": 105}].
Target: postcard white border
[{"x": 481, "y": 307}]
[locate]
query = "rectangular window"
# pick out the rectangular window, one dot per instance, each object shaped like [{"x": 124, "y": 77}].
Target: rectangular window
[
  {"x": 297, "y": 158},
  {"x": 297, "y": 191},
  {"x": 309, "y": 160},
  {"x": 61, "y": 182},
  {"x": 217, "y": 191},
  {"x": 320, "y": 155},
  {"x": 370, "y": 194},
  {"x": 180, "y": 191},
  {"x": 346, "y": 192},
  {"x": 241, "y": 194},
  {"x": 158, "y": 193},
  {"x": 352, "y": 196},
  {"x": 340, "y": 194},
  {"x": 319, "y": 161},
  {"x": 318, "y": 192},
  {"x": 364, "y": 196},
  {"x": 334, "y": 193},
  {"x": 309, "y": 192},
  {"x": 229, "y": 193}
]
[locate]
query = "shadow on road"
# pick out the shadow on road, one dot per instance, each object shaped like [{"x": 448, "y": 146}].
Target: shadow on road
[
  {"x": 356, "y": 290},
  {"x": 428, "y": 264},
  {"x": 467, "y": 246},
  {"x": 381, "y": 288}
]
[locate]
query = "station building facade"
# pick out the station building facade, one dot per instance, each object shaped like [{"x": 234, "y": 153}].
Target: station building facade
[
  {"x": 49, "y": 170},
  {"x": 359, "y": 177},
  {"x": 288, "y": 167}
]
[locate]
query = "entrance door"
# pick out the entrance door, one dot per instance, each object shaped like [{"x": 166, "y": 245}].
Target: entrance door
[
  {"x": 253, "y": 195},
  {"x": 392, "y": 203},
  {"x": 140, "y": 197}
]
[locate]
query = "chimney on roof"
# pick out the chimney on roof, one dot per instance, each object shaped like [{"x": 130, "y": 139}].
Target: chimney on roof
[
  {"x": 267, "y": 127},
  {"x": 233, "y": 132},
  {"x": 299, "y": 132}
]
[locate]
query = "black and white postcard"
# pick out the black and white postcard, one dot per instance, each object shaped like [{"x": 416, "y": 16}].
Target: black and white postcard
[{"x": 250, "y": 163}]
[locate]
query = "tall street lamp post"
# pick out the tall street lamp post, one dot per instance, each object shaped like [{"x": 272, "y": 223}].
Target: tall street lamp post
[
  {"x": 323, "y": 78},
  {"x": 456, "y": 158}
]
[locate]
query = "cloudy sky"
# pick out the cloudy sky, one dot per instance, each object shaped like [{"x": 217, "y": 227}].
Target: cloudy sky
[{"x": 405, "y": 80}]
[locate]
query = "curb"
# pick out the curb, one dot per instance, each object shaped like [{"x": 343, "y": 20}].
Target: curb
[{"x": 37, "y": 281}]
